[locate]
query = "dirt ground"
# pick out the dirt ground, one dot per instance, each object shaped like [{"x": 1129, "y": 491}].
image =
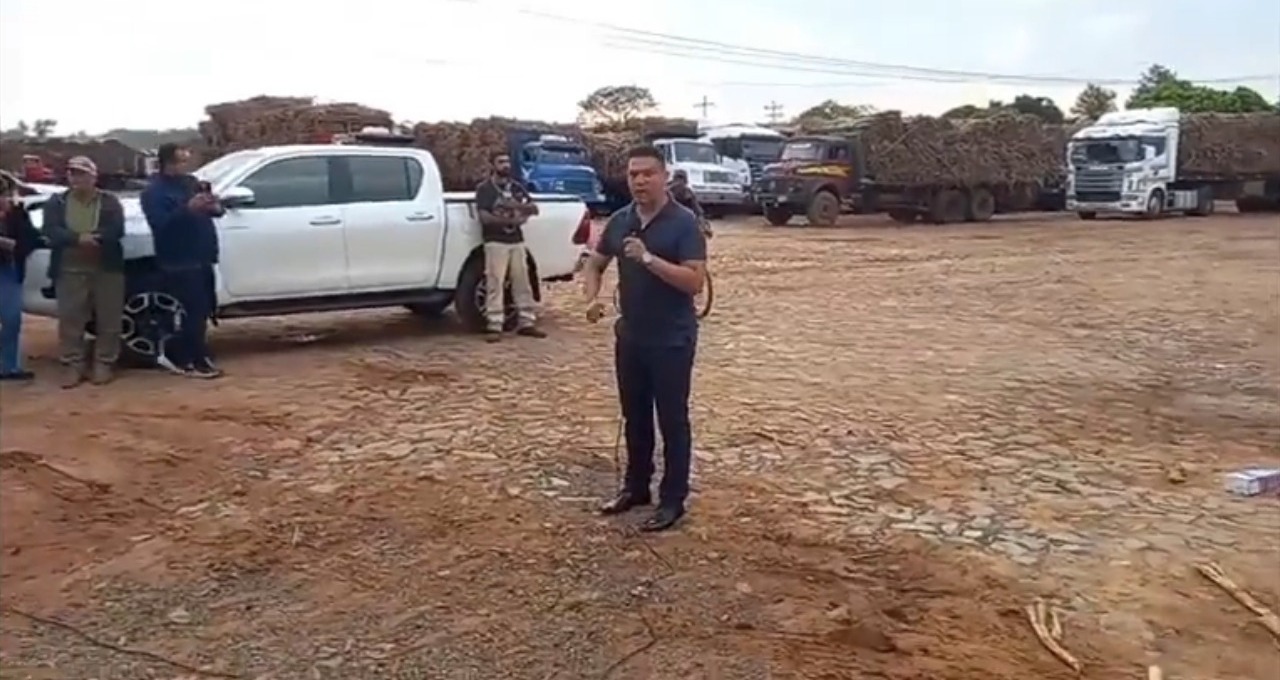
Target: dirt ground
[{"x": 904, "y": 437}]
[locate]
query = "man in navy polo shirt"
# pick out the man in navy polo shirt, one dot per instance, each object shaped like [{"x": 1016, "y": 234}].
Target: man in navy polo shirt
[{"x": 661, "y": 255}]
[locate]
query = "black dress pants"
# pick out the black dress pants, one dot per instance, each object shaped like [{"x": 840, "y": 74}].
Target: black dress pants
[{"x": 649, "y": 378}]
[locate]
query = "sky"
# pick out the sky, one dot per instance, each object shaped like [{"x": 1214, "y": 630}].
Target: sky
[{"x": 155, "y": 64}]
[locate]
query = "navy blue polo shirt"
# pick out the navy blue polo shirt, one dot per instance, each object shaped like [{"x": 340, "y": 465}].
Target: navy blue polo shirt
[{"x": 654, "y": 312}]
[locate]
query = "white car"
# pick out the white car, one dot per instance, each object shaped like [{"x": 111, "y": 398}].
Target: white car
[{"x": 331, "y": 227}]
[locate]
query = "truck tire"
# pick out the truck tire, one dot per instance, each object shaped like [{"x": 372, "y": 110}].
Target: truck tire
[
  {"x": 947, "y": 207},
  {"x": 824, "y": 209},
  {"x": 151, "y": 317},
  {"x": 1155, "y": 205},
  {"x": 982, "y": 205},
  {"x": 468, "y": 299},
  {"x": 1087, "y": 215},
  {"x": 903, "y": 215},
  {"x": 778, "y": 216},
  {"x": 1204, "y": 203},
  {"x": 1249, "y": 204}
]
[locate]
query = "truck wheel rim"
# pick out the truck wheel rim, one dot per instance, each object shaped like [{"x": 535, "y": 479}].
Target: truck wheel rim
[{"x": 150, "y": 319}]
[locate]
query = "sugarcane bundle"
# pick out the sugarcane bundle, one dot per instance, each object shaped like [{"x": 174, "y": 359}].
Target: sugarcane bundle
[
  {"x": 464, "y": 151},
  {"x": 1229, "y": 145},
  {"x": 265, "y": 121},
  {"x": 1003, "y": 149}
]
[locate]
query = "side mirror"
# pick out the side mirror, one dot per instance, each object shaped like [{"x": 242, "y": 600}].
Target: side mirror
[{"x": 238, "y": 197}]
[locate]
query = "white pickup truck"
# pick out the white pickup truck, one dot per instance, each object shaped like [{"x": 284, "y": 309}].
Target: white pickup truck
[{"x": 331, "y": 227}]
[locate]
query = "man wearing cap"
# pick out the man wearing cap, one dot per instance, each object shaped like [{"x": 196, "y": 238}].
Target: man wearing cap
[
  {"x": 180, "y": 212},
  {"x": 84, "y": 227}
]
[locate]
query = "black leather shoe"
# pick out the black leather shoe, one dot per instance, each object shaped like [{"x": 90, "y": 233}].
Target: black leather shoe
[
  {"x": 663, "y": 518},
  {"x": 624, "y": 501}
]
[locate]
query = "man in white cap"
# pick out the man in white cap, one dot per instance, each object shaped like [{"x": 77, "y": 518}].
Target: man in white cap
[{"x": 84, "y": 227}]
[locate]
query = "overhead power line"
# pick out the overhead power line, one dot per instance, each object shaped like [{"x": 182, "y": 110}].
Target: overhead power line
[{"x": 653, "y": 42}]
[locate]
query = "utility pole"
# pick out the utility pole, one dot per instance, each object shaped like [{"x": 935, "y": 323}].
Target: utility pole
[
  {"x": 774, "y": 112},
  {"x": 705, "y": 105}
]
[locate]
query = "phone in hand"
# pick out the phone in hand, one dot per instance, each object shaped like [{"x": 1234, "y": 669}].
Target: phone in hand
[{"x": 204, "y": 187}]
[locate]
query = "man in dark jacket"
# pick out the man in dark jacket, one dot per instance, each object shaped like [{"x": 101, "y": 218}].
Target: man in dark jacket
[
  {"x": 18, "y": 237},
  {"x": 84, "y": 227},
  {"x": 180, "y": 211}
]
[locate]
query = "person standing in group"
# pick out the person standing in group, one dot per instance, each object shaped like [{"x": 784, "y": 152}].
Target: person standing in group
[
  {"x": 18, "y": 237},
  {"x": 505, "y": 205},
  {"x": 661, "y": 255},
  {"x": 180, "y": 211},
  {"x": 84, "y": 227}
]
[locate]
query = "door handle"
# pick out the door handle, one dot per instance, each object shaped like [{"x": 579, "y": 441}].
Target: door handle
[
  {"x": 325, "y": 221},
  {"x": 420, "y": 217},
  {"x": 236, "y": 227}
]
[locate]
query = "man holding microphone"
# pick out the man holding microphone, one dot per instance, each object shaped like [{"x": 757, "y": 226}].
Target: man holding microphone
[{"x": 661, "y": 255}]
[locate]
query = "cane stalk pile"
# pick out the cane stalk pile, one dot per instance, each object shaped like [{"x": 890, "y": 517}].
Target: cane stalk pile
[
  {"x": 1003, "y": 149},
  {"x": 464, "y": 150},
  {"x": 263, "y": 121},
  {"x": 1229, "y": 145}
]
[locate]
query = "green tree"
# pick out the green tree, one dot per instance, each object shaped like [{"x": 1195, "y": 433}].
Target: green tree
[
  {"x": 1160, "y": 86},
  {"x": 1094, "y": 101},
  {"x": 831, "y": 111},
  {"x": 615, "y": 105},
  {"x": 1155, "y": 76},
  {"x": 1043, "y": 108}
]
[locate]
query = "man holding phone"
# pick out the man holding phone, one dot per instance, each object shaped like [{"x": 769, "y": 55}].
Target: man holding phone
[
  {"x": 84, "y": 227},
  {"x": 180, "y": 210}
]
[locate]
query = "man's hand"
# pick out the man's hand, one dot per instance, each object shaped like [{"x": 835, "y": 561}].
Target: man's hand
[
  {"x": 200, "y": 202},
  {"x": 7, "y": 243},
  {"x": 595, "y": 311},
  {"x": 89, "y": 240},
  {"x": 633, "y": 248}
]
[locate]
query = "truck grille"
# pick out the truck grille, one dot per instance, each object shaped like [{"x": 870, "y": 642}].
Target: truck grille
[
  {"x": 720, "y": 178},
  {"x": 1095, "y": 186},
  {"x": 757, "y": 169}
]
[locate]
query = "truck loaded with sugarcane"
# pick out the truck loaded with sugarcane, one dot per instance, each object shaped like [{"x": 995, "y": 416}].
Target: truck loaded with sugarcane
[
  {"x": 1153, "y": 162},
  {"x": 920, "y": 167}
]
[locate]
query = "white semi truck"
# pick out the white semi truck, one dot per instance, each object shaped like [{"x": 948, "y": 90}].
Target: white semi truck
[
  {"x": 718, "y": 187},
  {"x": 1144, "y": 162}
]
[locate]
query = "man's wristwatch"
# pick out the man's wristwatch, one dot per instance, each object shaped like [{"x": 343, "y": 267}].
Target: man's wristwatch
[{"x": 646, "y": 259}]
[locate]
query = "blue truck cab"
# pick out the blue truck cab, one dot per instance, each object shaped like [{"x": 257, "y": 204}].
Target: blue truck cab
[{"x": 554, "y": 164}]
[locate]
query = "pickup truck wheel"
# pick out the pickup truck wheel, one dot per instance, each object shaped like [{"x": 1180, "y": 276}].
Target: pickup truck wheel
[
  {"x": 1087, "y": 215},
  {"x": 778, "y": 216},
  {"x": 150, "y": 319},
  {"x": 824, "y": 209},
  {"x": 469, "y": 299}
]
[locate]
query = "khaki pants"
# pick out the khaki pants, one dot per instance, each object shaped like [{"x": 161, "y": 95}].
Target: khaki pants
[
  {"x": 500, "y": 261},
  {"x": 85, "y": 295}
]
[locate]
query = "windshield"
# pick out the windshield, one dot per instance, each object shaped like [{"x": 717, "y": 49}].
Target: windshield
[
  {"x": 218, "y": 169},
  {"x": 1116, "y": 150},
  {"x": 764, "y": 149},
  {"x": 801, "y": 151},
  {"x": 562, "y": 155},
  {"x": 695, "y": 152}
]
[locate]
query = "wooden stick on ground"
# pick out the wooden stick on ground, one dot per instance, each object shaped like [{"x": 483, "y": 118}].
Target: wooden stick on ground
[
  {"x": 1049, "y": 629},
  {"x": 1266, "y": 617}
]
